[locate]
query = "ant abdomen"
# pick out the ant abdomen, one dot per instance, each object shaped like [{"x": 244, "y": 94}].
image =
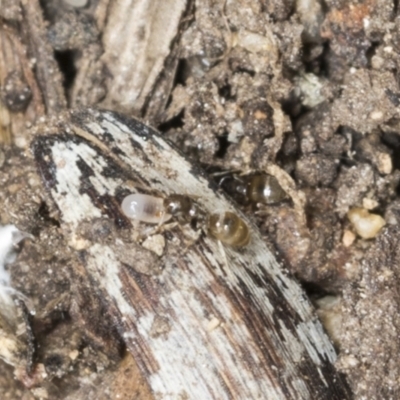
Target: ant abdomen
[
  {"x": 265, "y": 189},
  {"x": 229, "y": 228}
]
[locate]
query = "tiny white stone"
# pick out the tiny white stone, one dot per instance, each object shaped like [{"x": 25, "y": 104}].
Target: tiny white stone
[
  {"x": 73, "y": 355},
  {"x": 367, "y": 225},
  {"x": 376, "y": 115},
  {"x": 155, "y": 243},
  {"x": 366, "y": 22},
  {"x": 348, "y": 238},
  {"x": 369, "y": 204},
  {"x": 212, "y": 324},
  {"x": 384, "y": 163}
]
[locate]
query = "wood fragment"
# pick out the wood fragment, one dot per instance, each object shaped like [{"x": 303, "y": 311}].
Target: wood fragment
[{"x": 268, "y": 341}]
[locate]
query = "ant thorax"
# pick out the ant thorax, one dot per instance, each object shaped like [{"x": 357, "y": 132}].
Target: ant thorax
[{"x": 184, "y": 208}]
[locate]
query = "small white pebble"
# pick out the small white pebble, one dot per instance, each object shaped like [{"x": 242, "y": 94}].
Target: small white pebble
[
  {"x": 385, "y": 274},
  {"x": 376, "y": 115},
  {"x": 366, "y": 225},
  {"x": 369, "y": 204},
  {"x": 40, "y": 393},
  {"x": 329, "y": 311},
  {"x": 78, "y": 243},
  {"x": 348, "y": 238},
  {"x": 25, "y": 268},
  {"x": 349, "y": 361},
  {"x": 213, "y": 324},
  {"x": 377, "y": 62},
  {"x": 21, "y": 142},
  {"x": 384, "y": 163},
  {"x": 155, "y": 243},
  {"x": 73, "y": 355}
]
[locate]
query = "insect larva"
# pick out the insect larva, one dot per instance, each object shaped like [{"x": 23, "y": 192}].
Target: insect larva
[{"x": 145, "y": 208}]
